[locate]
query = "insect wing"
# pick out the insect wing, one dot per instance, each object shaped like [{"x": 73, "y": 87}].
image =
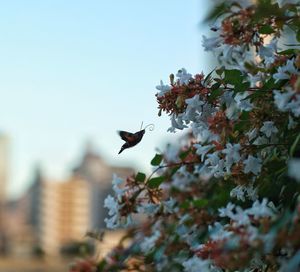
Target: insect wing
[{"x": 127, "y": 136}]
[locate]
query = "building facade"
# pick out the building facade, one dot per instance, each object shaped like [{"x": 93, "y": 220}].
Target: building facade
[
  {"x": 4, "y": 166},
  {"x": 70, "y": 208},
  {"x": 65, "y": 212}
]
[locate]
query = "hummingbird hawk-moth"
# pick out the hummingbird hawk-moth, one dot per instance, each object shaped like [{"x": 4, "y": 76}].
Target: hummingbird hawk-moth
[{"x": 132, "y": 139}]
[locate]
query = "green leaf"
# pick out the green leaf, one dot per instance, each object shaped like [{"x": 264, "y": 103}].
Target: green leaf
[
  {"x": 216, "y": 86},
  {"x": 269, "y": 85},
  {"x": 174, "y": 170},
  {"x": 289, "y": 51},
  {"x": 216, "y": 12},
  {"x": 214, "y": 94},
  {"x": 284, "y": 220},
  {"x": 207, "y": 78},
  {"x": 101, "y": 266},
  {"x": 233, "y": 77},
  {"x": 179, "y": 102},
  {"x": 155, "y": 182},
  {"x": 200, "y": 203},
  {"x": 241, "y": 87},
  {"x": 184, "y": 154},
  {"x": 156, "y": 160},
  {"x": 298, "y": 35},
  {"x": 243, "y": 122},
  {"x": 266, "y": 29},
  {"x": 140, "y": 177},
  {"x": 220, "y": 71},
  {"x": 294, "y": 145},
  {"x": 185, "y": 205}
]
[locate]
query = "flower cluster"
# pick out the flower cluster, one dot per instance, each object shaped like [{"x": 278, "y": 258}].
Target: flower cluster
[{"x": 226, "y": 196}]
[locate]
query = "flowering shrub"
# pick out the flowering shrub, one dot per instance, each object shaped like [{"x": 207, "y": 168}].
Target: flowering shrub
[{"x": 226, "y": 198}]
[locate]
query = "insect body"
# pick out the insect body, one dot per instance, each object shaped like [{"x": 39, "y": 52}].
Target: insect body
[
  {"x": 132, "y": 139},
  {"x": 98, "y": 235}
]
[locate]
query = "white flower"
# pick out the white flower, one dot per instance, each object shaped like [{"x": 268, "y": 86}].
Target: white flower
[
  {"x": 148, "y": 208},
  {"x": 281, "y": 74},
  {"x": 281, "y": 3},
  {"x": 111, "y": 204},
  {"x": 240, "y": 217},
  {"x": 163, "y": 89},
  {"x": 232, "y": 154},
  {"x": 202, "y": 150},
  {"x": 238, "y": 192},
  {"x": 285, "y": 72},
  {"x": 294, "y": 105},
  {"x": 182, "y": 230},
  {"x": 210, "y": 44},
  {"x": 177, "y": 123},
  {"x": 292, "y": 124},
  {"x": 171, "y": 152},
  {"x": 253, "y": 165},
  {"x": 203, "y": 171},
  {"x": 268, "y": 51},
  {"x": 242, "y": 103},
  {"x": 243, "y": 3},
  {"x": 294, "y": 168},
  {"x": 207, "y": 111},
  {"x": 290, "y": 67},
  {"x": 282, "y": 99},
  {"x": 194, "y": 102},
  {"x": 182, "y": 179},
  {"x": 194, "y": 108},
  {"x": 227, "y": 211},
  {"x": 196, "y": 264},
  {"x": 268, "y": 128},
  {"x": 251, "y": 192},
  {"x": 260, "y": 209},
  {"x": 149, "y": 242},
  {"x": 232, "y": 56},
  {"x": 169, "y": 206},
  {"x": 217, "y": 232},
  {"x": 232, "y": 112},
  {"x": 203, "y": 134},
  {"x": 116, "y": 182},
  {"x": 261, "y": 140},
  {"x": 215, "y": 164},
  {"x": 227, "y": 98},
  {"x": 112, "y": 222},
  {"x": 183, "y": 76},
  {"x": 255, "y": 79}
]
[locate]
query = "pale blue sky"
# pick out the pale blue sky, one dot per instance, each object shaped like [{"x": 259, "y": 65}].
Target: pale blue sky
[{"x": 75, "y": 70}]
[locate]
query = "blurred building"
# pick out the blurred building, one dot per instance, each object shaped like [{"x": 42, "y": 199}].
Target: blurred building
[
  {"x": 70, "y": 208},
  {"x": 65, "y": 212},
  {"x": 4, "y": 167},
  {"x": 95, "y": 170},
  {"x": 51, "y": 214}
]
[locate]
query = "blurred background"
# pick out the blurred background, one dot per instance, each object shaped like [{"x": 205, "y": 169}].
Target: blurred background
[{"x": 72, "y": 73}]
